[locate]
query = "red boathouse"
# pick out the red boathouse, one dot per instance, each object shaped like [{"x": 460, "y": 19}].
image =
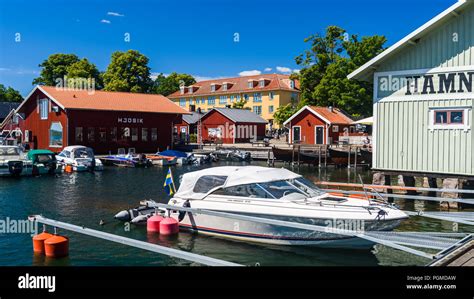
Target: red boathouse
[
  {"x": 318, "y": 125},
  {"x": 232, "y": 126},
  {"x": 105, "y": 121}
]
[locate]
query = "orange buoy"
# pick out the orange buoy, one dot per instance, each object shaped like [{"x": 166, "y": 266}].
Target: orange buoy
[
  {"x": 38, "y": 242},
  {"x": 153, "y": 223},
  {"x": 68, "y": 168},
  {"x": 169, "y": 226},
  {"x": 56, "y": 246}
]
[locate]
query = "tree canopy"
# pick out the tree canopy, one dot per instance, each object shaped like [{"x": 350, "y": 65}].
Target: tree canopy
[
  {"x": 166, "y": 85},
  {"x": 129, "y": 72},
  {"x": 9, "y": 94},
  {"x": 58, "y": 66},
  {"x": 325, "y": 66}
]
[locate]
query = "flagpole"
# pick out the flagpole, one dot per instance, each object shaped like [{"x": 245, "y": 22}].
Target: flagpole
[{"x": 172, "y": 179}]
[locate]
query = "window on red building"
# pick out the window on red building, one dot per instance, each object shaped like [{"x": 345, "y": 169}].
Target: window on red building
[
  {"x": 90, "y": 135},
  {"x": 134, "y": 134},
  {"x": 102, "y": 135},
  {"x": 113, "y": 134},
  {"x": 79, "y": 135},
  {"x": 154, "y": 134},
  {"x": 145, "y": 134}
]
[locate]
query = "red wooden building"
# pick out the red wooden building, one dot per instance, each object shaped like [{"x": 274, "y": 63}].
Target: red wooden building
[
  {"x": 232, "y": 126},
  {"x": 187, "y": 126},
  {"x": 318, "y": 125},
  {"x": 105, "y": 121}
]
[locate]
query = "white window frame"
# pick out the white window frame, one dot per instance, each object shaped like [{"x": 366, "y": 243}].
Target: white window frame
[
  {"x": 466, "y": 125},
  {"x": 293, "y": 133},
  {"x": 315, "y": 132},
  {"x": 44, "y": 111},
  {"x": 62, "y": 134}
]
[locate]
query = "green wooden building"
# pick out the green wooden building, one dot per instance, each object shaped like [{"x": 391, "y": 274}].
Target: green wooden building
[{"x": 423, "y": 98}]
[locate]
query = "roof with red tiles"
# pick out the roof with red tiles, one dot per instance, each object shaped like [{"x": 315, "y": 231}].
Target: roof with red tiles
[
  {"x": 327, "y": 114},
  {"x": 109, "y": 100},
  {"x": 239, "y": 84}
]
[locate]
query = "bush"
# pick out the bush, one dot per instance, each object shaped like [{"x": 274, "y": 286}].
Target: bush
[{"x": 193, "y": 138}]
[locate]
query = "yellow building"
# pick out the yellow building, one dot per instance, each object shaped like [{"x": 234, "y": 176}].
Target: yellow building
[{"x": 263, "y": 94}]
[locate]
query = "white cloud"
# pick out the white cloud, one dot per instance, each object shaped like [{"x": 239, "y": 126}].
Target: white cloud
[
  {"x": 283, "y": 69},
  {"x": 105, "y": 21},
  {"x": 114, "y": 14},
  {"x": 19, "y": 71},
  {"x": 296, "y": 71},
  {"x": 267, "y": 69},
  {"x": 250, "y": 73}
]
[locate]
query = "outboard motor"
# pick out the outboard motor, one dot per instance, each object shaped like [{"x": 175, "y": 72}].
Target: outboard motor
[
  {"x": 15, "y": 168},
  {"x": 181, "y": 215}
]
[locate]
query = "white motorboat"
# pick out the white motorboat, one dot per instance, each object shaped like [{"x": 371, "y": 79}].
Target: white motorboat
[
  {"x": 13, "y": 162},
  {"x": 276, "y": 194},
  {"x": 81, "y": 158}
]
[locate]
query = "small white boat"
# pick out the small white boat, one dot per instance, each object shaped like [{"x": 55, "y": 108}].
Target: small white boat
[
  {"x": 276, "y": 194},
  {"x": 81, "y": 158},
  {"x": 13, "y": 162}
]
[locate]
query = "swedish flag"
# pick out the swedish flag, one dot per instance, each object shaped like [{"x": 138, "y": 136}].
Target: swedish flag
[{"x": 169, "y": 184}]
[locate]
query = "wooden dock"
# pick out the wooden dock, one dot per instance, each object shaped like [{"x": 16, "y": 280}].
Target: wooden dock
[{"x": 463, "y": 256}]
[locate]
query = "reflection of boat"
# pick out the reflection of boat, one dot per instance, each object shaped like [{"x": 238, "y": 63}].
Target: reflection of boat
[
  {"x": 340, "y": 156},
  {"x": 44, "y": 162},
  {"x": 132, "y": 159},
  {"x": 305, "y": 155},
  {"x": 366, "y": 155},
  {"x": 232, "y": 155},
  {"x": 276, "y": 194},
  {"x": 81, "y": 158},
  {"x": 13, "y": 161}
]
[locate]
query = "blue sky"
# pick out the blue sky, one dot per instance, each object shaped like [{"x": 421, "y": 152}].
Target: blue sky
[{"x": 195, "y": 37}]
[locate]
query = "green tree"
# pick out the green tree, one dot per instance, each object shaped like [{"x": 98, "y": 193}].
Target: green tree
[
  {"x": 55, "y": 67},
  {"x": 327, "y": 63},
  {"x": 9, "y": 94},
  {"x": 240, "y": 104},
  {"x": 84, "y": 69},
  {"x": 128, "y": 71},
  {"x": 167, "y": 85}
]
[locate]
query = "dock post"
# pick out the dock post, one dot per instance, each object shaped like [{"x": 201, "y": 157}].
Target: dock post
[
  {"x": 410, "y": 182},
  {"x": 299, "y": 149},
  {"x": 293, "y": 155},
  {"x": 319, "y": 156},
  {"x": 326, "y": 156},
  {"x": 355, "y": 157},
  {"x": 349, "y": 158},
  {"x": 450, "y": 183}
]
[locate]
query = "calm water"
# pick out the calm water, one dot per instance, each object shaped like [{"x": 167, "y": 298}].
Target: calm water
[{"x": 86, "y": 198}]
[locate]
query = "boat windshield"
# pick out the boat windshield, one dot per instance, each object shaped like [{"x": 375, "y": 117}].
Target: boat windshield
[
  {"x": 9, "y": 151},
  {"x": 298, "y": 188},
  {"x": 83, "y": 153}
]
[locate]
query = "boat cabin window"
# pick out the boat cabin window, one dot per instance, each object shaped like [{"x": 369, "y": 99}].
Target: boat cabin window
[
  {"x": 44, "y": 158},
  {"x": 308, "y": 187},
  {"x": 83, "y": 153},
  {"x": 273, "y": 190},
  {"x": 9, "y": 151},
  {"x": 248, "y": 190},
  {"x": 208, "y": 182},
  {"x": 66, "y": 154}
]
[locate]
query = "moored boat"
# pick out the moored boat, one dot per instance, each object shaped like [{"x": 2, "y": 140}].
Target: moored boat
[
  {"x": 158, "y": 159},
  {"x": 232, "y": 155},
  {"x": 340, "y": 156},
  {"x": 80, "y": 158},
  {"x": 275, "y": 194},
  {"x": 44, "y": 162},
  {"x": 13, "y": 161},
  {"x": 131, "y": 159}
]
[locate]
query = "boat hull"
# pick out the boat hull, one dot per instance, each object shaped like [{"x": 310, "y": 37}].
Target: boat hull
[{"x": 256, "y": 232}]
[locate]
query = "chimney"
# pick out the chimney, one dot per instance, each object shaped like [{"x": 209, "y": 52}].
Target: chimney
[
  {"x": 192, "y": 108},
  {"x": 199, "y": 110},
  {"x": 331, "y": 109}
]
